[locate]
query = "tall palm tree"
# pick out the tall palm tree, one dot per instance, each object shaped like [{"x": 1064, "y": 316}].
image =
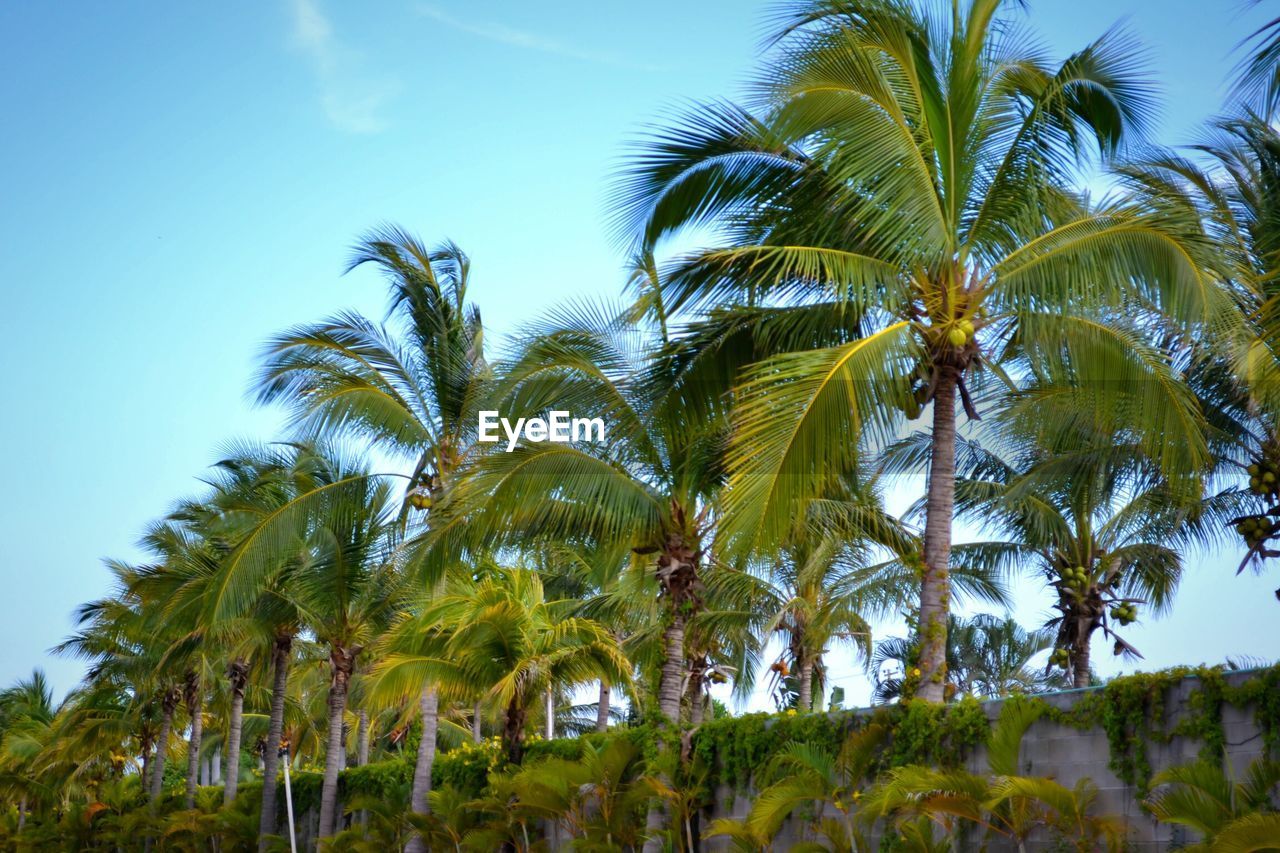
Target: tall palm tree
[
  {"x": 648, "y": 489},
  {"x": 346, "y": 591},
  {"x": 1233, "y": 175},
  {"x": 502, "y": 636},
  {"x": 413, "y": 388},
  {"x": 125, "y": 644},
  {"x": 911, "y": 164}
]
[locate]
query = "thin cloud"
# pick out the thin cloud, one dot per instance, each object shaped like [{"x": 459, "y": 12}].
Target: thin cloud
[
  {"x": 352, "y": 99},
  {"x": 503, "y": 34}
]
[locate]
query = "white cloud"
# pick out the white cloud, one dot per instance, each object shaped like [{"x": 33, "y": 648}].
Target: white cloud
[
  {"x": 352, "y": 99},
  {"x": 504, "y": 34}
]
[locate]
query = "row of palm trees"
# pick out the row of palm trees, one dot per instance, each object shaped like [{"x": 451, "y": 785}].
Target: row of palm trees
[{"x": 897, "y": 233}]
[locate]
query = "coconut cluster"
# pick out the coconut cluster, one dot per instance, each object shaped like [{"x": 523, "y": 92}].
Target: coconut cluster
[
  {"x": 1060, "y": 658},
  {"x": 1075, "y": 578},
  {"x": 1254, "y": 528},
  {"x": 960, "y": 334},
  {"x": 419, "y": 500},
  {"x": 1264, "y": 478},
  {"x": 1124, "y": 613}
]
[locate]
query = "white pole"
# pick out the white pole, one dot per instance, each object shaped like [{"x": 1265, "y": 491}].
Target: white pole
[{"x": 288, "y": 804}]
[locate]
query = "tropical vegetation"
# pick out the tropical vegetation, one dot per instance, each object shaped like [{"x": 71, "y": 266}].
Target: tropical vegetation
[{"x": 369, "y": 631}]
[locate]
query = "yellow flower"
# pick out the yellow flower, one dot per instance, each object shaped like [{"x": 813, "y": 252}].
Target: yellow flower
[
  {"x": 916, "y": 672},
  {"x": 791, "y": 712}
]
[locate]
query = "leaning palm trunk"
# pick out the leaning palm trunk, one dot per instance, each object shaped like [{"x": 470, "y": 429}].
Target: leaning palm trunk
[
  {"x": 935, "y": 591},
  {"x": 167, "y": 706},
  {"x": 419, "y": 802},
  {"x": 342, "y": 663},
  {"x": 238, "y": 675},
  {"x": 477, "y": 734},
  {"x": 280, "y": 652},
  {"x": 195, "y": 707}
]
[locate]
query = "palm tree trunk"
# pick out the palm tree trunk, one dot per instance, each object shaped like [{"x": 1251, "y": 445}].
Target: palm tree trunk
[
  {"x": 551, "y": 714},
  {"x": 22, "y": 813},
  {"x": 602, "y": 709},
  {"x": 167, "y": 706},
  {"x": 1080, "y": 662},
  {"x": 342, "y": 664},
  {"x": 513, "y": 731},
  {"x": 237, "y": 674},
  {"x": 145, "y": 739},
  {"x": 195, "y": 708},
  {"x": 362, "y": 739},
  {"x": 419, "y": 803},
  {"x": 670, "y": 689},
  {"x": 281, "y": 650},
  {"x": 935, "y": 582},
  {"x": 476, "y": 734},
  {"x": 805, "y": 700},
  {"x": 671, "y": 685}
]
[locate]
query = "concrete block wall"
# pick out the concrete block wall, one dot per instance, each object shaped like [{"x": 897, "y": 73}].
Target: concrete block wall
[{"x": 1068, "y": 755}]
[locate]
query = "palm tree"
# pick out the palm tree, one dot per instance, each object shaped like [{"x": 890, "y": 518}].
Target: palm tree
[
  {"x": 1238, "y": 193},
  {"x": 910, "y": 165},
  {"x": 1202, "y": 797},
  {"x": 125, "y": 644},
  {"x": 804, "y": 776},
  {"x": 413, "y": 390},
  {"x": 346, "y": 591},
  {"x": 648, "y": 489},
  {"x": 27, "y": 713},
  {"x": 502, "y": 636},
  {"x": 821, "y": 586},
  {"x": 986, "y": 656},
  {"x": 1097, "y": 521},
  {"x": 999, "y": 801}
]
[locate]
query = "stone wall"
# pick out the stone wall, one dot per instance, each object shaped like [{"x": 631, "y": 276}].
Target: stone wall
[{"x": 1069, "y": 755}]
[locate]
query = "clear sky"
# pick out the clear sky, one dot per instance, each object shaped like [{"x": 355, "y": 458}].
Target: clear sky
[{"x": 179, "y": 181}]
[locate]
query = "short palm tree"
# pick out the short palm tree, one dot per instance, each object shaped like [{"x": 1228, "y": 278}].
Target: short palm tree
[
  {"x": 1097, "y": 521},
  {"x": 1202, "y": 797},
  {"x": 826, "y": 788},
  {"x": 500, "y": 635},
  {"x": 910, "y": 165},
  {"x": 27, "y": 713},
  {"x": 986, "y": 656},
  {"x": 412, "y": 389},
  {"x": 1000, "y": 801}
]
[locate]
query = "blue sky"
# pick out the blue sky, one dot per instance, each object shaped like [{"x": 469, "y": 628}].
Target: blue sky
[{"x": 180, "y": 181}]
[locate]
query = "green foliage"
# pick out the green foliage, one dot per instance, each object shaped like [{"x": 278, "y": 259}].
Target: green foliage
[{"x": 928, "y": 733}]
